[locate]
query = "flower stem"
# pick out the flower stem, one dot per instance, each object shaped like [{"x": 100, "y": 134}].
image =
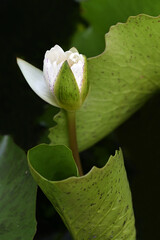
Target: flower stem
[{"x": 73, "y": 139}]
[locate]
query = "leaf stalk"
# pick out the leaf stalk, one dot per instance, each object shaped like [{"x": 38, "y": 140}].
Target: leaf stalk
[{"x": 71, "y": 117}]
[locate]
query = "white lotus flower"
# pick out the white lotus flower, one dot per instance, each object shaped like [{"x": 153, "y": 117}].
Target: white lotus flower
[{"x": 63, "y": 82}]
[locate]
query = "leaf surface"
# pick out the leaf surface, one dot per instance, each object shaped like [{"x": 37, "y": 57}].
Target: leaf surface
[
  {"x": 95, "y": 206},
  {"x": 121, "y": 80},
  {"x": 101, "y": 15},
  {"x": 17, "y": 194}
]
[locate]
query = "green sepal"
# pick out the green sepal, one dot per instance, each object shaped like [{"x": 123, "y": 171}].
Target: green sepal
[{"x": 66, "y": 89}]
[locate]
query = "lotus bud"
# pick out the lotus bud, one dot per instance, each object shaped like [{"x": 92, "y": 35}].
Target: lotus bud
[{"x": 63, "y": 82}]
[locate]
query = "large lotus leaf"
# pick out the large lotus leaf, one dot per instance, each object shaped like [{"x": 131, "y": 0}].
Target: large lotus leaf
[
  {"x": 121, "y": 79},
  {"x": 95, "y": 206},
  {"x": 17, "y": 194},
  {"x": 101, "y": 14}
]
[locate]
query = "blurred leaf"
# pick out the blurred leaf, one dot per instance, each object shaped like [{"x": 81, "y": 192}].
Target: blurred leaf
[
  {"x": 97, "y": 205},
  {"x": 101, "y": 14},
  {"x": 45, "y": 121},
  {"x": 139, "y": 138},
  {"x": 121, "y": 79},
  {"x": 17, "y": 194}
]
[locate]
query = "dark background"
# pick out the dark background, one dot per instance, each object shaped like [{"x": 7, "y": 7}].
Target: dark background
[{"x": 28, "y": 29}]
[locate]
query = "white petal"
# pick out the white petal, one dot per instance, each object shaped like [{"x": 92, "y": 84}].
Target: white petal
[
  {"x": 70, "y": 54},
  {"x": 51, "y": 71},
  {"x": 73, "y": 50},
  {"x": 56, "y": 54},
  {"x": 78, "y": 70},
  {"x": 35, "y": 79},
  {"x": 73, "y": 58}
]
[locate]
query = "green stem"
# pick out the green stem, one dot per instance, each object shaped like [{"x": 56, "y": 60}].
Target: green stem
[{"x": 73, "y": 139}]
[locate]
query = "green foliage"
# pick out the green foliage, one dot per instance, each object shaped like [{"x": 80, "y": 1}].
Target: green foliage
[
  {"x": 95, "y": 206},
  {"x": 101, "y": 14},
  {"x": 121, "y": 80},
  {"x": 53, "y": 162},
  {"x": 17, "y": 194}
]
